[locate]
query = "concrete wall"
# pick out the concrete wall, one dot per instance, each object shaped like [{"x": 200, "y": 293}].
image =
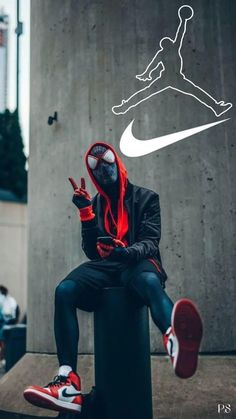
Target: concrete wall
[
  {"x": 84, "y": 57},
  {"x": 13, "y": 250}
]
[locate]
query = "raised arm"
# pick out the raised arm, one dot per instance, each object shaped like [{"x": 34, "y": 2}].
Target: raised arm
[
  {"x": 154, "y": 63},
  {"x": 185, "y": 13},
  {"x": 90, "y": 232},
  {"x": 180, "y": 33}
]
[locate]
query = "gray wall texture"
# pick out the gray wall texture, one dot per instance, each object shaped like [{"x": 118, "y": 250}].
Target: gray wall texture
[{"x": 84, "y": 58}]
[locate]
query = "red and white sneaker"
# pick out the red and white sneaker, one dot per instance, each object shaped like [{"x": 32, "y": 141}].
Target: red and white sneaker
[
  {"x": 62, "y": 394},
  {"x": 183, "y": 338}
]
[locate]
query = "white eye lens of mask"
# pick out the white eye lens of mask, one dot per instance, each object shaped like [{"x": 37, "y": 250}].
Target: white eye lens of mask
[
  {"x": 109, "y": 156},
  {"x": 92, "y": 162}
]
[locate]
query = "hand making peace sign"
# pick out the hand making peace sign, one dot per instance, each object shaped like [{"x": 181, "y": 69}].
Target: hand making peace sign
[{"x": 81, "y": 197}]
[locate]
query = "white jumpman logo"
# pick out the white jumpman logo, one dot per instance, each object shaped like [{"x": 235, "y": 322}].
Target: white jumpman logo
[{"x": 170, "y": 52}]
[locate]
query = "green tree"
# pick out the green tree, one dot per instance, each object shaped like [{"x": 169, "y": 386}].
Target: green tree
[{"x": 13, "y": 174}]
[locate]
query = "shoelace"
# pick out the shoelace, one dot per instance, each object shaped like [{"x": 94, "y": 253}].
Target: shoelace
[{"x": 57, "y": 381}]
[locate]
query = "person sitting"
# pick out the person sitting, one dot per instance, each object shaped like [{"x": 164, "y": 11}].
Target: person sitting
[{"x": 121, "y": 231}]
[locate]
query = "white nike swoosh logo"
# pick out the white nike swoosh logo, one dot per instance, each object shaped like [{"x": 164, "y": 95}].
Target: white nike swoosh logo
[
  {"x": 67, "y": 393},
  {"x": 133, "y": 147}
]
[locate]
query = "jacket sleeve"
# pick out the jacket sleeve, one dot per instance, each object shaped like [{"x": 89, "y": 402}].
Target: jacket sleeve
[
  {"x": 149, "y": 232},
  {"x": 90, "y": 232}
]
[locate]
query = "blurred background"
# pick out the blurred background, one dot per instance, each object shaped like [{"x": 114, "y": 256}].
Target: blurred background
[{"x": 14, "y": 146}]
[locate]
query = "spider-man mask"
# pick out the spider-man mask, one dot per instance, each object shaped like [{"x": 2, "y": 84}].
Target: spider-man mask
[{"x": 101, "y": 160}]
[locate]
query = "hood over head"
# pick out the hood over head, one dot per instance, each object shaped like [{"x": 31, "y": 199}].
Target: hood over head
[{"x": 121, "y": 223}]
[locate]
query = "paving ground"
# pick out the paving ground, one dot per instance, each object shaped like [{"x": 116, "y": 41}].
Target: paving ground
[{"x": 173, "y": 398}]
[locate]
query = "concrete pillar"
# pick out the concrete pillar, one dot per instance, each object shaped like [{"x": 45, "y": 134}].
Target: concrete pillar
[{"x": 84, "y": 58}]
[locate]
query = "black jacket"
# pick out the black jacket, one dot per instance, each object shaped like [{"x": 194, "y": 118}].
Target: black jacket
[{"x": 144, "y": 225}]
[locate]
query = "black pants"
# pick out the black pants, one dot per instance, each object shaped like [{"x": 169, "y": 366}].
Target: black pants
[{"x": 82, "y": 289}]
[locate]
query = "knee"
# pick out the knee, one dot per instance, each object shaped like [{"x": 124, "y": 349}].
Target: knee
[
  {"x": 65, "y": 292},
  {"x": 150, "y": 282}
]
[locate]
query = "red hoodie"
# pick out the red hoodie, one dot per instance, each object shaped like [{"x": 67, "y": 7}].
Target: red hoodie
[{"x": 121, "y": 224}]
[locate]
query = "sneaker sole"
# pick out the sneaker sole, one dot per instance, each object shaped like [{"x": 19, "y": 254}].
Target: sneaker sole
[
  {"x": 187, "y": 327},
  {"x": 48, "y": 402}
]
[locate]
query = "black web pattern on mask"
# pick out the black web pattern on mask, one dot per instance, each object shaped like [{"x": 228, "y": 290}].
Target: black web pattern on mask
[{"x": 98, "y": 150}]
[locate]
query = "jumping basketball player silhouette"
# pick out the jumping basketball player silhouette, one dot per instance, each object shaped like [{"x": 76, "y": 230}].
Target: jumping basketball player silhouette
[{"x": 165, "y": 71}]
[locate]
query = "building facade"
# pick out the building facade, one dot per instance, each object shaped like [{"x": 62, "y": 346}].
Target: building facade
[
  {"x": 13, "y": 248},
  {"x": 4, "y": 20}
]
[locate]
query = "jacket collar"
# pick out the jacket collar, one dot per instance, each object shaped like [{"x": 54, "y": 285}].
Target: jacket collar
[{"x": 128, "y": 190}]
